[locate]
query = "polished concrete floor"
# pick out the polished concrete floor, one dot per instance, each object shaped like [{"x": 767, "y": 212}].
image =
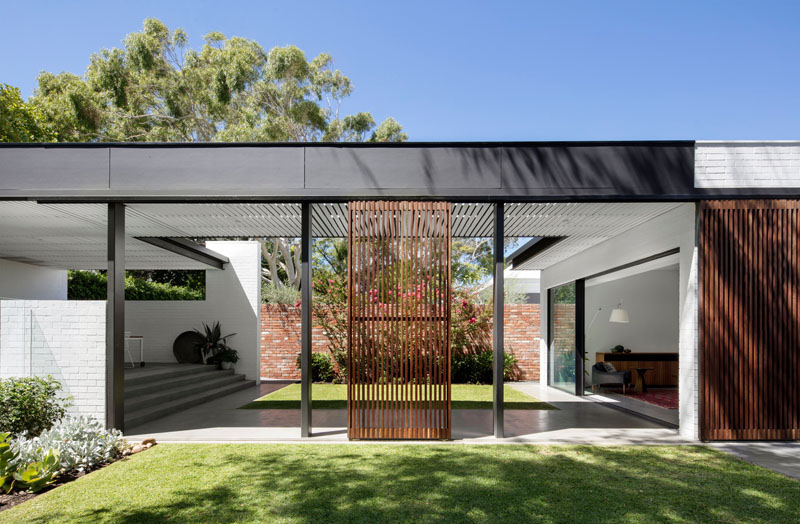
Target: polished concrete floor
[{"x": 576, "y": 421}]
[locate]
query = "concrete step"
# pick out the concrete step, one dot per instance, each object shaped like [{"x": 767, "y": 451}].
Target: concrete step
[
  {"x": 172, "y": 392},
  {"x": 162, "y": 384},
  {"x": 146, "y": 414},
  {"x": 154, "y": 373}
]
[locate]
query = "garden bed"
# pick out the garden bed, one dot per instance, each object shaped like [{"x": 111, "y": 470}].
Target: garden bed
[{"x": 334, "y": 396}]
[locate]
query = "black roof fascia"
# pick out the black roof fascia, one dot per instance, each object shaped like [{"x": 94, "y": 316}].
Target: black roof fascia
[{"x": 532, "y": 248}]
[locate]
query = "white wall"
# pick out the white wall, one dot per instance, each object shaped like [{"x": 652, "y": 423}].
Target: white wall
[
  {"x": 27, "y": 281},
  {"x": 651, "y": 300},
  {"x": 233, "y": 297},
  {"x": 747, "y": 164},
  {"x": 675, "y": 228},
  {"x": 65, "y": 339}
]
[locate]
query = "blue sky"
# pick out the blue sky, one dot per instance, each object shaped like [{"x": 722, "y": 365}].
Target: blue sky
[{"x": 491, "y": 70}]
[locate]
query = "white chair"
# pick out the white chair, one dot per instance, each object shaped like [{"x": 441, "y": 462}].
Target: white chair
[{"x": 130, "y": 337}]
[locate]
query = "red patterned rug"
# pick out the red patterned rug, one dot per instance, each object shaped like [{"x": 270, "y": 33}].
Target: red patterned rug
[{"x": 665, "y": 398}]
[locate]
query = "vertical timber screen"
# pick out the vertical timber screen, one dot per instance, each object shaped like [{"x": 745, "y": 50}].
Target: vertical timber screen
[
  {"x": 750, "y": 319},
  {"x": 399, "y": 330}
]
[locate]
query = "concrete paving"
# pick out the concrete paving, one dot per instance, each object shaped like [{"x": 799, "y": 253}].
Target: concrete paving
[
  {"x": 783, "y": 457},
  {"x": 577, "y": 421}
]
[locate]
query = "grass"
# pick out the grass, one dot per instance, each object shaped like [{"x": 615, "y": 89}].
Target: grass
[
  {"x": 334, "y": 396},
  {"x": 307, "y": 483}
]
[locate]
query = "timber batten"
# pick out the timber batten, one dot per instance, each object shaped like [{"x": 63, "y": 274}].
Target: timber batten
[
  {"x": 750, "y": 320},
  {"x": 399, "y": 320}
]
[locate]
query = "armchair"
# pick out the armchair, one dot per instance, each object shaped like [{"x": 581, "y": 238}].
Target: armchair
[{"x": 603, "y": 373}]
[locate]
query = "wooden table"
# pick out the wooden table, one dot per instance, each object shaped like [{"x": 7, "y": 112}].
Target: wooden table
[{"x": 641, "y": 385}]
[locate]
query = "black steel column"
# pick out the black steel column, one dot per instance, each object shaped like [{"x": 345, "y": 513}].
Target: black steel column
[
  {"x": 115, "y": 318},
  {"x": 305, "y": 319},
  {"x": 498, "y": 318},
  {"x": 580, "y": 336}
]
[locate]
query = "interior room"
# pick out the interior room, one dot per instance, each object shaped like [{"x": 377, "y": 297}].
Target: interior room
[{"x": 632, "y": 337}]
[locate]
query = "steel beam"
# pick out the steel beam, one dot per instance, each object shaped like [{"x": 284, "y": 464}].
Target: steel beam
[
  {"x": 498, "y": 317},
  {"x": 187, "y": 248},
  {"x": 306, "y": 243},
  {"x": 115, "y": 318}
]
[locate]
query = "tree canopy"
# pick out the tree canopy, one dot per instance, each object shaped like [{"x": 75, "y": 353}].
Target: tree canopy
[
  {"x": 158, "y": 89},
  {"x": 21, "y": 122}
]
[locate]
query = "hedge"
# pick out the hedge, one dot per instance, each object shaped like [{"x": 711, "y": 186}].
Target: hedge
[{"x": 91, "y": 285}]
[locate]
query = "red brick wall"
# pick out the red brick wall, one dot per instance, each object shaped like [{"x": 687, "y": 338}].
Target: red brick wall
[
  {"x": 280, "y": 340},
  {"x": 521, "y": 338}
]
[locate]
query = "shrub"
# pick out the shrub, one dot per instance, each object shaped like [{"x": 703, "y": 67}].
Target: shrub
[
  {"x": 272, "y": 294},
  {"x": 30, "y": 405},
  {"x": 81, "y": 443},
  {"x": 476, "y": 368},
  {"x": 20, "y": 475},
  {"x": 91, "y": 285},
  {"x": 321, "y": 367}
]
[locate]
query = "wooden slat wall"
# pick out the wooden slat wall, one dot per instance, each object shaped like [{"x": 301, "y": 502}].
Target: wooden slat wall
[
  {"x": 399, "y": 332},
  {"x": 750, "y": 320}
]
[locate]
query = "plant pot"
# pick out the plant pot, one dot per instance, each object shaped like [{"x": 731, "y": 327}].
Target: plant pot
[{"x": 226, "y": 365}]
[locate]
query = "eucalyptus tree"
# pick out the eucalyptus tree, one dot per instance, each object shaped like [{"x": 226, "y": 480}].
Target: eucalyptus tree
[
  {"x": 19, "y": 121},
  {"x": 157, "y": 88}
]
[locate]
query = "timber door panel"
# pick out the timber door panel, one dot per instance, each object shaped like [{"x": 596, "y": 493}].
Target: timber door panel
[
  {"x": 750, "y": 320},
  {"x": 399, "y": 320}
]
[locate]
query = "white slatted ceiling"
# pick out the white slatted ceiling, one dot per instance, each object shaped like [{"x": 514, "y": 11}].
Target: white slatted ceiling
[{"x": 74, "y": 235}]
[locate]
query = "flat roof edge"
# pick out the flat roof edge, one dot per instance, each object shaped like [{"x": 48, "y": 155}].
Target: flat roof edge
[{"x": 431, "y": 144}]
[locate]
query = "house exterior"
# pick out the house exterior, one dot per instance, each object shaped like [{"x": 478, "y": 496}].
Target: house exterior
[{"x": 713, "y": 226}]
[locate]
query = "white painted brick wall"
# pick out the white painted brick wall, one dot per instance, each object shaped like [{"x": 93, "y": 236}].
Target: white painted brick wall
[
  {"x": 233, "y": 297},
  {"x": 747, "y": 164},
  {"x": 675, "y": 228},
  {"x": 65, "y": 339}
]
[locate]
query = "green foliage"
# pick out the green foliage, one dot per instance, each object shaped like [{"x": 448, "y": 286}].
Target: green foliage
[
  {"x": 30, "y": 404},
  {"x": 272, "y": 294},
  {"x": 564, "y": 294},
  {"x": 192, "y": 279},
  {"x": 329, "y": 308},
  {"x": 321, "y": 367},
  {"x": 227, "y": 355},
  {"x": 81, "y": 443},
  {"x": 213, "y": 342},
  {"x": 6, "y": 458},
  {"x": 32, "y": 476},
  {"x": 476, "y": 368},
  {"x": 138, "y": 289},
  {"x": 470, "y": 324},
  {"x": 92, "y": 285},
  {"x": 21, "y": 122},
  {"x": 156, "y": 88}
]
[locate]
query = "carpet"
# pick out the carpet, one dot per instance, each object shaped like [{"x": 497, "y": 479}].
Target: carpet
[{"x": 665, "y": 398}]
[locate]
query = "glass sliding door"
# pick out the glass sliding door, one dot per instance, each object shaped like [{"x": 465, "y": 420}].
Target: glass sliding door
[{"x": 563, "y": 336}]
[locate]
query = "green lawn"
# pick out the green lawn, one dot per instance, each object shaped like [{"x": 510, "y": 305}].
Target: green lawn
[
  {"x": 331, "y": 484},
  {"x": 334, "y": 396}
]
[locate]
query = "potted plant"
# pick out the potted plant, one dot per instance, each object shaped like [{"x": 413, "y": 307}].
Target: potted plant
[
  {"x": 227, "y": 358},
  {"x": 212, "y": 342}
]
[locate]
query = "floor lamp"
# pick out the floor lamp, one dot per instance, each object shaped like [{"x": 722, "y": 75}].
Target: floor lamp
[{"x": 619, "y": 315}]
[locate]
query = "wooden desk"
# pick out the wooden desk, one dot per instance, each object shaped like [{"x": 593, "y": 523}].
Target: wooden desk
[{"x": 665, "y": 366}]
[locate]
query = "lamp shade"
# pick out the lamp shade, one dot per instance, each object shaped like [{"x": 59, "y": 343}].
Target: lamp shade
[{"x": 619, "y": 315}]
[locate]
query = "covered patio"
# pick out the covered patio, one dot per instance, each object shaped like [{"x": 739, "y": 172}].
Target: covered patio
[{"x": 166, "y": 235}]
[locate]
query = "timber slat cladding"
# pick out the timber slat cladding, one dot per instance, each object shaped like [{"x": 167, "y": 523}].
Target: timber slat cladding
[
  {"x": 750, "y": 320},
  {"x": 399, "y": 326}
]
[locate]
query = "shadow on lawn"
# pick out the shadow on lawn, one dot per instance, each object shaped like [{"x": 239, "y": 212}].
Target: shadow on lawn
[{"x": 498, "y": 484}]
